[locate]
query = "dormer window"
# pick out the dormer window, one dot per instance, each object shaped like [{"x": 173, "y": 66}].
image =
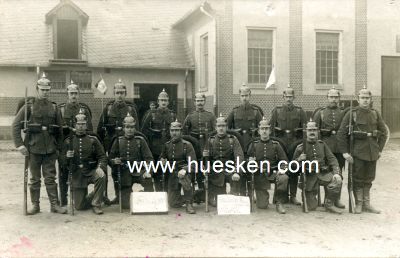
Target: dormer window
[{"x": 67, "y": 21}]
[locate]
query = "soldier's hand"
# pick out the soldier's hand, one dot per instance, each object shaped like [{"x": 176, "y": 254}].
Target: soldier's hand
[
  {"x": 117, "y": 161},
  {"x": 70, "y": 154},
  {"x": 181, "y": 173},
  {"x": 206, "y": 153},
  {"x": 147, "y": 175},
  {"x": 348, "y": 157},
  {"x": 23, "y": 150},
  {"x": 235, "y": 177},
  {"x": 337, "y": 178},
  {"x": 99, "y": 172},
  {"x": 302, "y": 157}
]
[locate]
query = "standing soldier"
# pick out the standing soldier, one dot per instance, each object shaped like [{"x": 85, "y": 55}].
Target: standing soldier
[
  {"x": 68, "y": 112},
  {"x": 223, "y": 147},
  {"x": 110, "y": 123},
  {"x": 266, "y": 149},
  {"x": 244, "y": 119},
  {"x": 326, "y": 174},
  {"x": 153, "y": 107},
  {"x": 369, "y": 134},
  {"x": 156, "y": 128},
  {"x": 328, "y": 120},
  {"x": 42, "y": 144},
  {"x": 199, "y": 124},
  {"x": 130, "y": 148},
  {"x": 287, "y": 124},
  {"x": 179, "y": 151},
  {"x": 87, "y": 162}
]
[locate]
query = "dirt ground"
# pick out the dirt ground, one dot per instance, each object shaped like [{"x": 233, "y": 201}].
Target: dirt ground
[{"x": 264, "y": 233}]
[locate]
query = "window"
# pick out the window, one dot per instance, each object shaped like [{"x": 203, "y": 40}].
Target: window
[
  {"x": 259, "y": 52},
  {"x": 67, "y": 39},
  {"x": 82, "y": 79},
  {"x": 60, "y": 79},
  {"x": 136, "y": 91},
  {"x": 327, "y": 62},
  {"x": 204, "y": 62}
]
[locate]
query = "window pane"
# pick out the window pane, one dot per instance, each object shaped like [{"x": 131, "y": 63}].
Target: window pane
[
  {"x": 57, "y": 78},
  {"x": 67, "y": 39},
  {"x": 83, "y": 79},
  {"x": 259, "y": 55}
]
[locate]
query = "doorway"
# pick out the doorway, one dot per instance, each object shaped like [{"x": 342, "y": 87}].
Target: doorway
[{"x": 391, "y": 93}]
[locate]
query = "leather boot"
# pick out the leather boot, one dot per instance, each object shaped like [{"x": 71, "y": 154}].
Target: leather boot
[
  {"x": 97, "y": 210},
  {"x": 189, "y": 208},
  {"x": 329, "y": 206},
  {"x": 366, "y": 201},
  {"x": 54, "y": 207},
  {"x": 338, "y": 203},
  {"x": 35, "y": 196},
  {"x": 280, "y": 209},
  {"x": 358, "y": 195},
  {"x": 293, "y": 191}
]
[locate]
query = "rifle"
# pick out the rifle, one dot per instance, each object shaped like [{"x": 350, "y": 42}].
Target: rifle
[
  {"x": 163, "y": 140},
  {"x": 206, "y": 159},
  {"x": 26, "y": 166},
  {"x": 350, "y": 166},
  {"x": 303, "y": 192},
  {"x": 251, "y": 195},
  {"x": 71, "y": 169},
  {"x": 119, "y": 177}
]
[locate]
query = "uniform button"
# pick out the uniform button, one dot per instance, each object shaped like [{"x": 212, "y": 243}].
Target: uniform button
[{"x": 127, "y": 153}]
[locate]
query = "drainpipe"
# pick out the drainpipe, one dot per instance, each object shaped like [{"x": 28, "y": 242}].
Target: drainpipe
[{"x": 185, "y": 93}]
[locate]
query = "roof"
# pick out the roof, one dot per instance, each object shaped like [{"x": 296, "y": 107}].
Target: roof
[
  {"x": 203, "y": 9},
  {"x": 119, "y": 33}
]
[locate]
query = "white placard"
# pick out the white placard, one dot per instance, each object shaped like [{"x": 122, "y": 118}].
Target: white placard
[
  {"x": 233, "y": 205},
  {"x": 149, "y": 202}
]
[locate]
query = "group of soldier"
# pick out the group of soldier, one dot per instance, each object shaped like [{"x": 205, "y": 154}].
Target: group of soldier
[{"x": 65, "y": 133}]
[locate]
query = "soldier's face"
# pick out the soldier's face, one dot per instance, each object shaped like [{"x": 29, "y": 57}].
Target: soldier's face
[
  {"x": 312, "y": 135},
  {"x": 244, "y": 97},
  {"x": 200, "y": 103},
  {"x": 43, "y": 93},
  {"x": 73, "y": 97},
  {"x": 80, "y": 128},
  {"x": 221, "y": 129},
  {"x": 153, "y": 106},
  {"x": 175, "y": 133},
  {"x": 119, "y": 95},
  {"x": 163, "y": 103},
  {"x": 333, "y": 101},
  {"x": 364, "y": 101},
  {"x": 129, "y": 130},
  {"x": 288, "y": 99},
  {"x": 264, "y": 132}
]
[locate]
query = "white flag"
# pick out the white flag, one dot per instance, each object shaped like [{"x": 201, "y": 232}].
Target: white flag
[
  {"x": 101, "y": 86},
  {"x": 272, "y": 79}
]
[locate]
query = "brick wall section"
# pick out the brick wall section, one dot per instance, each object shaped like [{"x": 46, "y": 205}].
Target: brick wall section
[
  {"x": 295, "y": 45},
  {"x": 361, "y": 44},
  {"x": 225, "y": 101}
]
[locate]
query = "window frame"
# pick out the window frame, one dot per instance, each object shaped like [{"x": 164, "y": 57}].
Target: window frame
[
  {"x": 339, "y": 84},
  {"x": 68, "y": 76},
  {"x": 204, "y": 63},
  {"x": 260, "y": 85}
]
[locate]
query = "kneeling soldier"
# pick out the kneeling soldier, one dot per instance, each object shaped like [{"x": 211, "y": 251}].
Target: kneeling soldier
[
  {"x": 88, "y": 162},
  {"x": 179, "y": 151},
  {"x": 130, "y": 148},
  {"x": 327, "y": 173},
  {"x": 266, "y": 149}
]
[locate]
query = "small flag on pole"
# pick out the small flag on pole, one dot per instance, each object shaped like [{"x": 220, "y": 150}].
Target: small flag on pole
[
  {"x": 272, "y": 79},
  {"x": 101, "y": 86}
]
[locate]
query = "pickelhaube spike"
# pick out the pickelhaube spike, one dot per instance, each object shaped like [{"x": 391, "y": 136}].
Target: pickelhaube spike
[
  {"x": 163, "y": 95},
  {"x": 81, "y": 117},
  {"x": 289, "y": 91},
  {"x": 264, "y": 122},
  {"x": 311, "y": 125},
  {"x": 120, "y": 86},
  {"x": 333, "y": 92},
  {"x": 43, "y": 82},
  {"x": 244, "y": 89},
  {"x": 176, "y": 125},
  {"x": 221, "y": 120},
  {"x": 72, "y": 87},
  {"x": 365, "y": 92},
  {"x": 129, "y": 119}
]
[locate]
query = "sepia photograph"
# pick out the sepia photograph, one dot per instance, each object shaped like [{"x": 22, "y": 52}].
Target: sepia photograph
[{"x": 199, "y": 128}]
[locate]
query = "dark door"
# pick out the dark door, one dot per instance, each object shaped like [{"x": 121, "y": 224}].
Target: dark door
[
  {"x": 146, "y": 92},
  {"x": 391, "y": 93}
]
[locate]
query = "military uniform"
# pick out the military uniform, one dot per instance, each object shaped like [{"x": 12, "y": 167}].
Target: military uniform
[
  {"x": 68, "y": 112},
  {"x": 328, "y": 167},
  {"x": 287, "y": 123},
  {"x": 131, "y": 149},
  {"x": 370, "y": 134},
  {"x": 43, "y": 140},
  {"x": 156, "y": 128},
  {"x": 271, "y": 151},
  {"x": 223, "y": 148},
  {"x": 328, "y": 120},
  {"x": 89, "y": 164}
]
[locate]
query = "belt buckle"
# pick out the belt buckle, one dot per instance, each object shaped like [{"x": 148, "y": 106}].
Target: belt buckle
[
  {"x": 244, "y": 131},
  {"x": 287, "y": 131},
  {"x": 333, "y": 132},
  {"x": 80, "y": 165},
  {"x": 369, "y": 134},
  {"x": 44, "y": 128},
  {"x": 201, "y": 136}
]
